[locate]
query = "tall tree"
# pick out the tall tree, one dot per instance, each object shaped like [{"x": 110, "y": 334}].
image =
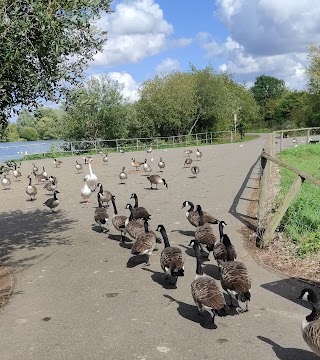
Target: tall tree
[
  {"x": 44, "y": 48},
  {"x": 267, "y": 88}
]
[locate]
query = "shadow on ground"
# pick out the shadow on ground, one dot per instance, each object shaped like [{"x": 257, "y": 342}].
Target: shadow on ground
[
  {"x": 289, "y": 289},
  {"x": 283, "y": 353},
  {"x": 29, "y": 230}
]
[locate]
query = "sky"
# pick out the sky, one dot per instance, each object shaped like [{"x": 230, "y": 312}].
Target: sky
[{"x": 247, "y": 38}]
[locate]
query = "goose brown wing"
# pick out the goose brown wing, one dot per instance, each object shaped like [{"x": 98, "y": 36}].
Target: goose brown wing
[
  {"x": 209, "y": 218},
  {"x": 140, "y": 213},
  {"x": 220, "y": 252},
  {"x": 205, "y": 235},
  {"x": 194, "y": 218},
  {"x": 118, "y": 221},
  {"x": 134, "y": 227},
  {"x": 172, "y": 258},
  {"x": 205, "y": 290},
  {"x": 235, "y": 276},
  {"x": 311, "y": 335},
  {"x": 100, "y": 214},
  {"x": 231, "y": 253},
  {"x": 145, "y": 242}
]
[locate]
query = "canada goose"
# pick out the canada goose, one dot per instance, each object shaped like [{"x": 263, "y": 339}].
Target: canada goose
[
  {"x": 50, "y": 186},
  {"x": 156, "y": 179},
  {"x": 6, "y": 182},
  {"x": 57, "y": 163},
  {"x": 139, "y": 211},
  {"x": 223, "y": 250},
  {"x": 78, "y": 167},
  {"x": 44, "y": 173},
  {"x": 123, "y": 175},
  {"x": 171, "y": 258},
  {"x": 118, "y": 221},
  {"x": 195, "y": 170},
  {"x": 311, "y": 324},
  {"x": 31, "y": 190},
  {"x": 121, "y": 151},
  {"x": 136, "y": 164},
  {"x": 53, "y": 179},
  {"x": 34, "y": 168},
  {"x": 52, "y": 202},
  {"x": 87, "y": 159},
  {"x": 17, "y": 174},
  {"x": 101, "y": 216},
  {"x": 105, "y": 159},
  {"x": 161, "y": 165},
  {"x": 294, "y": 140},
  {"x": 187, "y": 162},
  {"x": 198, "y": 154},
  {"x": 187, "y": 152},
  {"x": 91, "y": 178},
  {"x": 145, "y": 243},
  {"x": 204, "y": 233},
  {"x": 206, "y": 292},
  {"x": 40, "y": 178},
  {"x": 149, "y": 151},
  {"x": 236, "y": 280},
  {"x": 146, "y": 168},
  {"x": 104, "y": 196},
  {"x": 133, "y": 227},
  {"x": 193, "y": 215},
  {"x": 85, "y": 192}
]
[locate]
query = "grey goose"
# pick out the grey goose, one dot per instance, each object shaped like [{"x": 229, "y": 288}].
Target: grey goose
[
  {"x": 193, "y": 215},
  {"x": 118, "y": 221},
  {"x": 101, "y": 216},
  {"x": 52, "y": 203},
  {"x": 123, "y": 175},
  {"x": 195, "y": 170},
  {"x": 138, "y": 212},
  {"x": 31, "y": 190},
  {"x": 161, "y": 165},
  {"x": 156, "y": 180},
  {"x": 104, "y": 195}
]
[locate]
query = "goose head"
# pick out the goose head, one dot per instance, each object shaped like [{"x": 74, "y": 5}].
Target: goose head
[{"x": 308, "y": 295}]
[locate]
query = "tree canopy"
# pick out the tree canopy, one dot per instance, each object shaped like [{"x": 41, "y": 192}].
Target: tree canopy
[
  {"x": 44, "y": 49},
  {"x": 267, "y": 88}
]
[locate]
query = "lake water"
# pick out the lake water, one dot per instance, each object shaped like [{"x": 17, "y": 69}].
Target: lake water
[{"x": 16, "y": 150}]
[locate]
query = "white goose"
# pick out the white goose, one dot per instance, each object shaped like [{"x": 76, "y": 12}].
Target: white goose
[
  {"x": 91, "y": 179},
  {"x": 85, "y": 192}
]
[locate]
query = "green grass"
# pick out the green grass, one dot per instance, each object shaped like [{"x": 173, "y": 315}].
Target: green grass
[{"x": 302, "y": 220}]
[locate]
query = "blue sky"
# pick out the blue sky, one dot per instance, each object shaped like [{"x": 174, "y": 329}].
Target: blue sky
[{"x": 247, "y": 38}]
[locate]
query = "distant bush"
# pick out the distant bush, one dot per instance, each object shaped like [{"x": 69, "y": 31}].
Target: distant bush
[{"x": 29, "y": 133}]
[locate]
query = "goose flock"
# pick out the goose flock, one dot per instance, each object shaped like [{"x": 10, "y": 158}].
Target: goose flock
[{"x": 208, "y": 293}]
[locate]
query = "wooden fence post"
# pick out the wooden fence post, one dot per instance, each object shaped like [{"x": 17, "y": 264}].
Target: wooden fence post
[
  {"x": 137, "y": 144},
  {"x": 197, "y": 139},
  {"x": 281, "y": 141},
  {"x": 117, "y": 145},
  {"x": 293, "y": 191},
  {"x": 308, "y": 136}
]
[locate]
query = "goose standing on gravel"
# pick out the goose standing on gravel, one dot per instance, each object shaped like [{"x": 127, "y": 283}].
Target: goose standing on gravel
[
  {"x": 171, "y": 258},
  {"x": 44, "y": 173},
  {"x": 156, "y": 180},
  {"x": 187, "y": 152},
  {"x": 123, "y": 176},
  {"x": 34, "y": 168},
  {"x": 220, "y": 251},
  {"x": 161, "y": 164},
  {"x": 91, "y": 178},
  {"x": 136, "y": 164},
  {"x": 193, "y": 215},
  {"x": 118, "y": 221},
  {"x": 139, "y": 212},
  {"x": 146, "y": 167},
  {"x": 206, "y": 292},
  {"x": 85, "y": 192},
  {"x": 31, "y": 190},
  {"x": 40, "y": 178},
  {"x": 198, "y": 154},
  {"x": 16, "y": 173},
  {"x": 311, "y": 324},
  {"x": 78, "y": 167},
  {"x": 57, "y": 163},
  {"x": 104, "y": 195},
  {"x": 105, "y": 159},
  {"x": 6, "y": 182},
  {"x": 101, "y": 216},
  {"x": 236, "y": 281},
  {"x": 195, "y": 170},
  {"x": 133, "y": 227},
  {"x": 187, "y": 162},
  {"x": 204, "y": 233},
  {"x": 149, "y": 151},
  {"x": 145, "y": 243},
  {"x": 52, "y": 203},
  {"x": 51, "y": 186}
]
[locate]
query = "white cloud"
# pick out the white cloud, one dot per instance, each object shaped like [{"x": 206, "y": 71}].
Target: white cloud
[
  {"x": 137, "y": 29},
  {"x": 166, "y": 66}
]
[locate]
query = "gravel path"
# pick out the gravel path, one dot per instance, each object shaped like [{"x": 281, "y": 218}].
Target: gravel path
[{"x": 75, "y": 297}]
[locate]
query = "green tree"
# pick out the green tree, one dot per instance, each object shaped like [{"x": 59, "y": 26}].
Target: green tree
[
  {"x": 267, "y": 88},
  {"x": 29, "y": 133},
  {"x": 44, "y": 48},
  {"x": 11, "y": 133},
  {"x": 96, "y": 110},
  {"x": 25, "y": 118},
  {"x": 313, "y": 71}
]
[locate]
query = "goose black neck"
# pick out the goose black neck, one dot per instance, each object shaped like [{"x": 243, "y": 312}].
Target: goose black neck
[
  {"x": 136, "y": 202},
  {"x": 200, "y": 212},
  {"x": 114, "y": 206},
  {"x": 29, "y": 181},
  {"x": 199, "y": 270},
  {"x": 146, "y": 226},
  {"x": 101, "y": 189},
  {"x": 315, "y": 314},
  {"x": 164, "y": 236},
  {"x": 221, "y": 230},
  {"x": 55, "y": 195},
  {"x": 191, "y": 206}
]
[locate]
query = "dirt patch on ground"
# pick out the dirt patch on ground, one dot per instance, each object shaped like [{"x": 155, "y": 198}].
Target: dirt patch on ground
[
  {"x": 6, "y": 285},
  {"x": 280, "y": 254}
]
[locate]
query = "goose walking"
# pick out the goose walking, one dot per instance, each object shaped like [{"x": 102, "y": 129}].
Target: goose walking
[
  {"x": 139, "y": 212},
  {"x": 123, "y": 176},
  {"x": 311, "y": 324},
  {"x": 198, "y": 154},
  {"x": 52, "y": 203},
  {"x": 223, "y": 250},
  {"x": 16, "y": 173},
  {"x": 104, "y": 195},
  {"x": 34, "y": 168},
  {"x": 85, "y": 192},
  {"x": 156, "y": 180},
  {"x": 195, "y": 171},
  {"x": 193, "y": 215},
  {"x": 118, "y": 221},
  {"x": 236, "y": 281},
  {"x": 91, "y": 178},
  {"x": 40, "y": 178},
  {"x": 171, "y": 258},
  {"x": 149, "y": 151},
  {"x": 136, "y": 164},
  {"x": 206, "y": 292},
  {"x": 187, "y": 152},
  {"x": 146, "y": 167},
  {"x": 6, "y": 182},
  {"x": 101, "y": 216},
  {"x": 44, "y": 173},
  {"x": 105, "y": 159},
  {"x": 187, "y": 162},
  {"x": 161, "y": 165},
  {"x": 78, "y": 167},
  {"x": 50, "y": 186},
  {"x": 57, "y": 163},
  {"x": 31, "y": 190}
]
